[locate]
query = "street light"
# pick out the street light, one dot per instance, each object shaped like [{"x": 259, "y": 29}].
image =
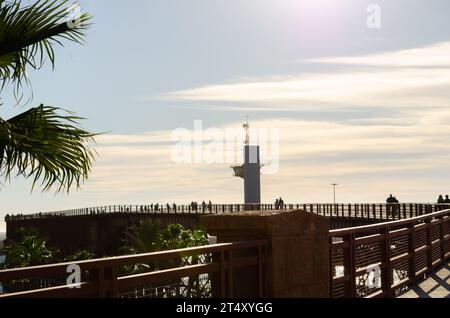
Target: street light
[
  {"x": 334, "y": 192},
  {"x": 334, "y": 196}
]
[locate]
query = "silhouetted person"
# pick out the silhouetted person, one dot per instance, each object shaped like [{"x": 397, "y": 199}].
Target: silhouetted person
[
  {"x": 210, "y": 206},
  {"x": 396, "y": 208},
  {"x": 168, "y": 207},
  {"x": 447, "y": 200},
  {"x": 277, "y": 204},
  {"x": 281, "y": 203},
  {"x": 440, "y": 199},
  {"x": 391, "y": 200},
  {"x": 203, "y": 206},
  {"x": 174, "y": 207}
]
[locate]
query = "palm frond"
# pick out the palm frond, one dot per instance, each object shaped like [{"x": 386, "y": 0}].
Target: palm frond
[
  {"x": 29, "y": 33},
  {"x": 46, "y": 146}
]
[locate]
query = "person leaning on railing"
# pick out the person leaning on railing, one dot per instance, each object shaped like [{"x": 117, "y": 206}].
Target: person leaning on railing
[{"x": 393, "y": 206}]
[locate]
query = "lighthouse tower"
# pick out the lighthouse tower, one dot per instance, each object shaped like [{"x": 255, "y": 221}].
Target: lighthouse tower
[{"x": 250, "y": 171}]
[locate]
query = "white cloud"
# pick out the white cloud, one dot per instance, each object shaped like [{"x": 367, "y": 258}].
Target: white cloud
[
  {"x": 312, "y": 154},
  {"x": 407, "y": 78},
  {"x": 434, "y": 55}
]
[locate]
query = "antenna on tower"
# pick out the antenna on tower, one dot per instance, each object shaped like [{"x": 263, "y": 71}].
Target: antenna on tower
[{"x": 247, "y": 134}]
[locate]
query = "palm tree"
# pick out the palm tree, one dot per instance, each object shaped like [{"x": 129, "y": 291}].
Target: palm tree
[
  {"x": 145, "y": 237},
  {"x": 43, "y": 143},
  {"x": 141, "y": 237},
  {"x": 30, "y": 249}
]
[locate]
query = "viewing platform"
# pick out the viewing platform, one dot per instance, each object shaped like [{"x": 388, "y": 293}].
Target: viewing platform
[
  {"x": 436, "y": 285},
  {"x": 273, "y": 253}
]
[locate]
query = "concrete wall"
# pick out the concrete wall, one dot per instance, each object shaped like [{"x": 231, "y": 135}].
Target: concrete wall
[
  {"x": 100, "y": 233},
  {"x": 298, "y": 256}
]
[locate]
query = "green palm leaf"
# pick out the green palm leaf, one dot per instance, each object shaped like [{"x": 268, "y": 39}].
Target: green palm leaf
[
  {"x": 46, "y": 146},
  {"x": 40, "y": 143},
  {"x": 28, "y": 34}
]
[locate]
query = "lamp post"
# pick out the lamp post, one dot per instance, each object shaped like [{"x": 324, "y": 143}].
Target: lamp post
[
  {"x": 334, "y": 195},
  {"x": 334, "y": 192}
]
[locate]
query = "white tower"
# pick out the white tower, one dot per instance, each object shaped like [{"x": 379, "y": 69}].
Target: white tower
[{"x": 250, "y": 171}]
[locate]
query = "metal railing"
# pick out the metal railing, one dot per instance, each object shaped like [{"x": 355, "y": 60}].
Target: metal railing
[
  {"x": 382, "y": 260},
  {"x": 203, "y": 271},
  {"x": 378, "y": 211}
]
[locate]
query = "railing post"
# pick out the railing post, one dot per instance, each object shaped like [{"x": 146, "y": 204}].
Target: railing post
[
  {"x": 412, "y": 252},
  {"x": 261, "y": 280},
  {"x": 330, "y": 266},
  {"x": 386, "y": 269},
  {"x": 98, "y": 275},
  {"x": 110, "y": 274},
  {"x": 223, "y": 288},
  {"x": 429, "y": 246},
  {"x": 349, "y": 265},
  {"x": 230, "y": 274},
  {"x": 442, "y": 242}
]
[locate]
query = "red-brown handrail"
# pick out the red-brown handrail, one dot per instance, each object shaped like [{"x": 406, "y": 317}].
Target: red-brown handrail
[
  {"x": 381, "y": 260},
  {"x": 101, "y": 278}
]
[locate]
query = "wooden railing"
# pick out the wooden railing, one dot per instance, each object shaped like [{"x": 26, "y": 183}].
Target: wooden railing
[
  {"x": 203, "y": 271},
  {"x": 376, "y": 211},
  {"x": 382, "y": 260}
]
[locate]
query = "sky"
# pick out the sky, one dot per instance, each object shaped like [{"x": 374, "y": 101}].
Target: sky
[{"x": 366, "y": 108}]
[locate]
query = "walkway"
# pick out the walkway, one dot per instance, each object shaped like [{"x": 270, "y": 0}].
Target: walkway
[{"x": 437, "y": 285}]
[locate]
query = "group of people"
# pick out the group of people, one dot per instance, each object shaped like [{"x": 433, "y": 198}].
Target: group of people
[
  {"x": 393, "y": 206},
  {"x": 391, "y": 199},
  {"x": 279, "y": 204},
  {"x": 172, "y": 208},
  {"x": 442, "y": 200},
  {"x": 205, "y": 206}
]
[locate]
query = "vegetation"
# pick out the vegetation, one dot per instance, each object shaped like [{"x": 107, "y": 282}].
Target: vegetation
[
  {"x": 33, "y": 249},
  {"x": 43, "y": 143},
  {"x": 79, "y": 256},
  {"x": 145, "y": 237},
  {"x": 29, "y": 250}
]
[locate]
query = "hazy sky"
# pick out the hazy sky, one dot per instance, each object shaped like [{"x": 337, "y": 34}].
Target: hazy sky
[{"x": 366, "y": 108}]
